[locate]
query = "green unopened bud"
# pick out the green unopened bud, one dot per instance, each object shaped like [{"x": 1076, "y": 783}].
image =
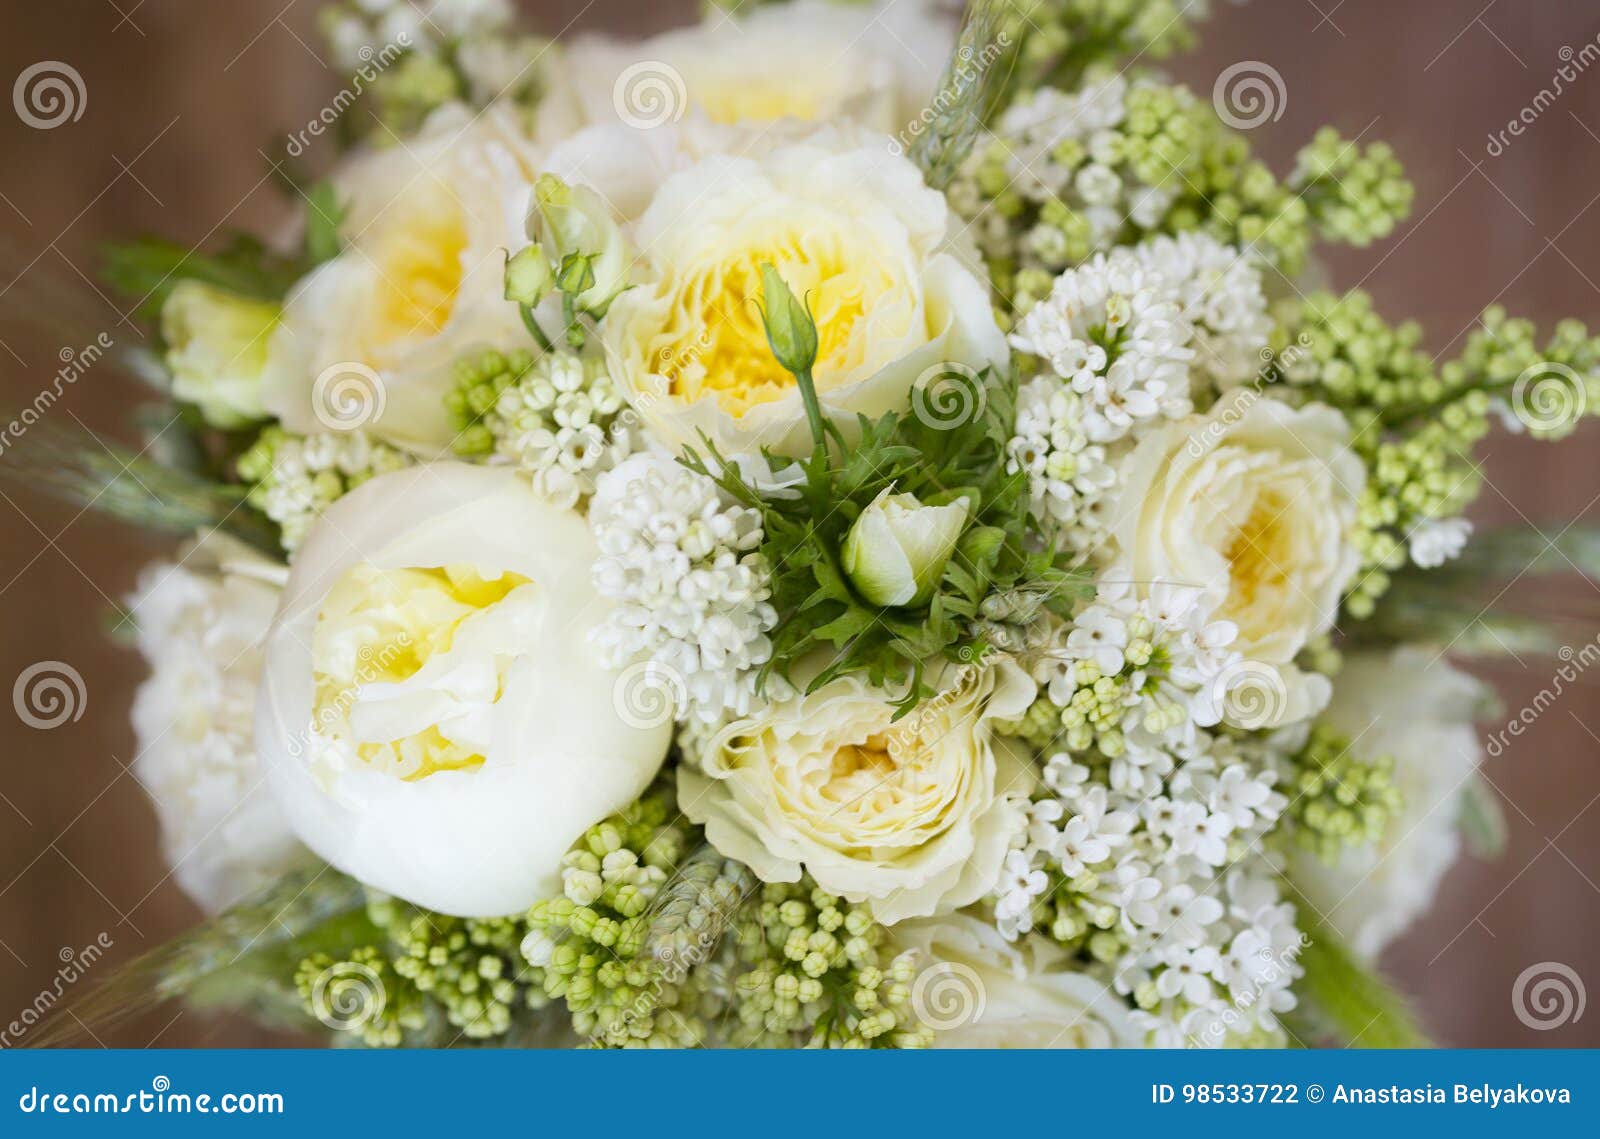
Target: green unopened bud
[
  {"x": 790, "y": 329},
  {"x": 574, "y": 225},
  {"x": 896, "y": 552},
  {"x": 217, "y": 350},
  {"x": 529, "y": 277}
]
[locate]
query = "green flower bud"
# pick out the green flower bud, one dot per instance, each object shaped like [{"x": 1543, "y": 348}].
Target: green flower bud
[
  {"x": 529, "y": 277},
  {"x": 896, "y": 552},
  {"x": 790, "y": 329},
  {"x": 573, "y": 225}
]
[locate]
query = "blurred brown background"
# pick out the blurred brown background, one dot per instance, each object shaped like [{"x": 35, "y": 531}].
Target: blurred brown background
[{"x": 184, "y": 96}]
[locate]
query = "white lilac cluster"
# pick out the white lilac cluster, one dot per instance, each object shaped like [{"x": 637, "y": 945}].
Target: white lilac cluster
[
  {"x": 1116, "y": 330},
  {"x": 1132, "y": 841},
  {"x": 691, "y": 587},
  {"x": 294, "y": 478},
  {"x": 1132, "y": 338},
  {"x": 565, "y": 424},
  {"x": 1069, "y": 478},
  {"x": 1219, "y": 289},
  {"x": 1062, "y": 150},
  {"x": 360, "y": 30}
]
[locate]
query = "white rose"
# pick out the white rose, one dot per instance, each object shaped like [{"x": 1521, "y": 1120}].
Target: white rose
[
  {"x": 433, "y": 718},
  {"x": 848, "y": 226},
  {"x": 896, "y": 551},
  {"x": 1415, "y": 708},
  {"x": 216, "y": 350},
  {"x": 201, "y": 624},
  {"x": 873, "y": 64},
  {"x": 368, "y": 339},
  {"x": 977, "y": 990},
  {"x": 914, "y": 816},
  {"x": 1256, "y": 507}
]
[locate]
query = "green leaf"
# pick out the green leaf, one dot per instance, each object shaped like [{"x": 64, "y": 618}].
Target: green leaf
[
  {"x": 1350, "y": 1002},
  {"x": 1483, "y": 823},
  {"x": 148, "y": 269},
  {"x": 324, "y": 215}
]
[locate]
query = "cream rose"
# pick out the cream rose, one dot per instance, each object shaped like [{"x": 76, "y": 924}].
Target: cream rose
[
  {"x": 201, "y": 625},
  {"x": 851, "y": 228},
  {"x": 433, "y": 717},
  {"x": 875, "y": 64},
  {"x": 914, "y": 817},
  {"x": 978, "y": 990},
  {"x": 1413, "y": 707},
  {"x": 1257, "y": 508},
  {"x": 367, "y": 340}
]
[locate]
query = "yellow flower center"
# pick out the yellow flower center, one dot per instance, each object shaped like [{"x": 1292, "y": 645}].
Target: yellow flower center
[
  {"x": 1257, "y": 555},
  {"x": 735, "y": 99},
  {"x": 381, "y": 626},
  {"x": 714, "y": 342},
  {"x": 418, "y": 256}
]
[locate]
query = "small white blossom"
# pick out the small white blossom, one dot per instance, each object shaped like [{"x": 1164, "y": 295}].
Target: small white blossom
[
  {"x": 691, "y": 586},
  {"x": 1438, "y": 541}
]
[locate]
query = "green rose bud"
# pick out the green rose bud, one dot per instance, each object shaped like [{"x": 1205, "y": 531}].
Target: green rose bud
[
  {"x": 897, "y": 550},
  {"x": 217, "y": 350},
  {"x": 529, "y": 277},
  {"x": 574, "y": 225},
  {"x": 790, "y": 329}
]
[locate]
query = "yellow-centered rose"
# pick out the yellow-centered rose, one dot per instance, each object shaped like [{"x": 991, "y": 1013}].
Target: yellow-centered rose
[
  {"x": 913, "y": 815},
  {"x": 854, "y": 231}
]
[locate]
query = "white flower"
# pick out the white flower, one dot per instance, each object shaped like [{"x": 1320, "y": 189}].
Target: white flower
[
  {"x": 1258, "y": 509},
  {"x": 914, "y": 816},
  {"x": 1439, "y": 540},
  {"x": 998, "y": 995},
  {"x": 846, "y": 224},
  {"x": 1117, "y": 332},
  {"x": 875, "y": 64},
  {"x": 433, "y": 719},
  {"x": 1068, "y": 476},
  {"x": 201, "y": 623},
  {"x": 1219, "y": 287},
  {"x": 1418, "y": 710},
  {"x": 896, "y": 550},
  {"x": 420, "y": 281},
  {"x": 691, "y": 586},
  {"x": 216, "y": 350}
]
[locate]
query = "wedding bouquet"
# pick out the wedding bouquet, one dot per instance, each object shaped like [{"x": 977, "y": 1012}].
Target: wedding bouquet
[{"x": 844, "y": 525}]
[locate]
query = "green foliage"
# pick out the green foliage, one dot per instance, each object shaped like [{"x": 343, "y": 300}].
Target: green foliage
[
  {"x": 147, "y": 269},
  {"x": 914, "y": 454},
  {"x": 1345, "y": 1000},
  {"x": 1338, "y": 799}
]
